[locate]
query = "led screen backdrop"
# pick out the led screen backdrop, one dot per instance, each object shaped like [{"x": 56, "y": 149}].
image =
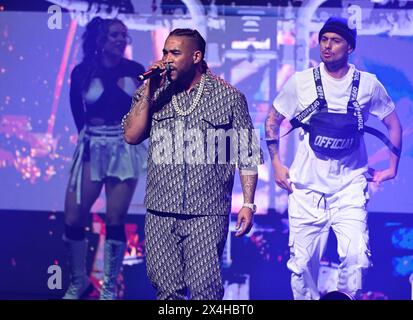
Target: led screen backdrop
[{"x": 37, "y": 132}]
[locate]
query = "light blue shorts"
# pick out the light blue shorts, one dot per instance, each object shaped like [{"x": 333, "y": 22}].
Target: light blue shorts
[{"x": 110, "y": 156}]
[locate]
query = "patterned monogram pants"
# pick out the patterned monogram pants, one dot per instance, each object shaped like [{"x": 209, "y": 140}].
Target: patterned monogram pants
[{"x": 183, "y": 254}]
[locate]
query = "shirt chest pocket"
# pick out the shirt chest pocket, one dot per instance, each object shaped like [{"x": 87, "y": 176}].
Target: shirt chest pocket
[
  {"x": 162, "y": 121},
  {"x": 214, "y": 122}
]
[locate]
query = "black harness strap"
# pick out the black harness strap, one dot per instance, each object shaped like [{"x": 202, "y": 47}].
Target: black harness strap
[{"x": 352, "y": 107}]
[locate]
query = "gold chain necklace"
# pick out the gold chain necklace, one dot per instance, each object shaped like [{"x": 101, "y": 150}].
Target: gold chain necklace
[{"x": 184, "y": 113}]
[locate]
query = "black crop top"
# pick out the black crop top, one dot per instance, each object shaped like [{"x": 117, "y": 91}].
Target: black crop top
[{"x": 104, "y": 98}]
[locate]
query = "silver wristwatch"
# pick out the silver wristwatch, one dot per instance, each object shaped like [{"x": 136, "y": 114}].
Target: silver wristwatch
[{"x": 252, "y": 206}]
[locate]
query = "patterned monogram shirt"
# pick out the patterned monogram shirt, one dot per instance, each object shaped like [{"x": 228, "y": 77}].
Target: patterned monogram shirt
[{"x": 192, "y": 159}]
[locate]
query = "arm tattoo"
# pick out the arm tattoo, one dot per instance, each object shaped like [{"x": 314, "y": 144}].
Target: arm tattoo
[
  {"x": 248, "y": 184},
  {"x": 127, "y": 121},
  {"x": 272, "y": 125},
  {"x": 272, "y": 131},
  {"x": 136, "y": 110},
  {"x": 273, "y": 148},
  {"x": 139, "y": 107}
]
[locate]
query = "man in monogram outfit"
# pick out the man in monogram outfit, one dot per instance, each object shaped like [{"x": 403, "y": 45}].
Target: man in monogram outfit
[
  {"x": 325, "y": 190},
  {"x": 199, "y": 130}
]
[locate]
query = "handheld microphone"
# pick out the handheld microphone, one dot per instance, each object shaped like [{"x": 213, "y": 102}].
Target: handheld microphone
[{"x": 153, "y": 72}]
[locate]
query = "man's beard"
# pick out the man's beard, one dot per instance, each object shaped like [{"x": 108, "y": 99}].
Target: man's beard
[{"x": 335, "y": 65}]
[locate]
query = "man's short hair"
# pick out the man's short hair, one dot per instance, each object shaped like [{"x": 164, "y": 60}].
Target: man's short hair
[{"x": 192, "y": 34}]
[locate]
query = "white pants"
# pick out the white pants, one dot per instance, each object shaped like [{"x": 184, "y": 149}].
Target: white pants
[{"x": 311, "y": 214}]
